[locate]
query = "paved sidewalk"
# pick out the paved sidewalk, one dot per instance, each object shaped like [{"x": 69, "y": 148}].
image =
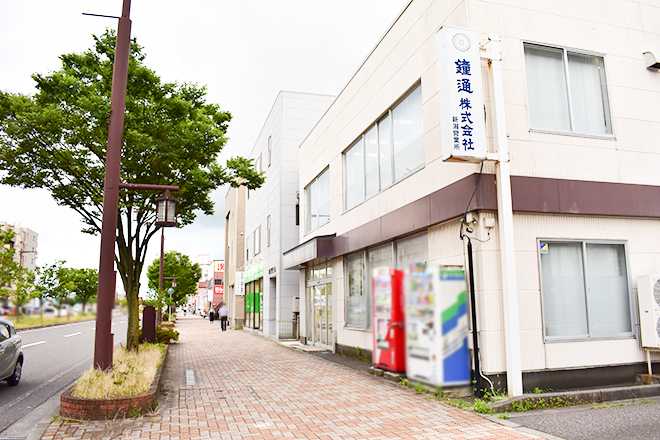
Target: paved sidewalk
[{"x": 249, "y": 387}]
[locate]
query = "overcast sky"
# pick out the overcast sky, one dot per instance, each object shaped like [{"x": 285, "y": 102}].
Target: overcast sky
[{"x": 244, "y": 51}]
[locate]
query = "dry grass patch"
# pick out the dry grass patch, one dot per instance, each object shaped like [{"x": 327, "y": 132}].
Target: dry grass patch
[{"x": 131, "y": 375}]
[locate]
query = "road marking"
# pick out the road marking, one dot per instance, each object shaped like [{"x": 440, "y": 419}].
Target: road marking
[
  {"x": 190, "y": 378},
  {"x": 34, "y": 343},
  {"x": 73, "y": 334}
]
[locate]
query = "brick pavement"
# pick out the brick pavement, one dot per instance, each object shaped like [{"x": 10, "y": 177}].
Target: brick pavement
[{"x": 250, "y": 387}]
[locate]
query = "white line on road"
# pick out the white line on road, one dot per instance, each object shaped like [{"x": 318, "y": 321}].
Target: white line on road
[
  {"x": 34, "y": 343},
  {"x": 73, "y": 334}
]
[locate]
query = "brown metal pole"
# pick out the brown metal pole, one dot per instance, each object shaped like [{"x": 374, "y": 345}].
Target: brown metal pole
[
  {"x": 107, "y": 278},
  {"x": 162, "y": 250}
]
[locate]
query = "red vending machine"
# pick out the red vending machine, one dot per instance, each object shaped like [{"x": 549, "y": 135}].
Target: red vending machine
[{"x": 389, "y": 320}]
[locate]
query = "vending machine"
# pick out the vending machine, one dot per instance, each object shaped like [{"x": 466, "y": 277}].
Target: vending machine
[
  {"x": 437, "y": 350},
  {"x": 388, "y": 323}
]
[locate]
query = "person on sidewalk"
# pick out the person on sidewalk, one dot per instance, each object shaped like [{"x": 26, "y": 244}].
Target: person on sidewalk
[
  {"x": 223, "y": 312},
  {"x": 211, "y": 315}
]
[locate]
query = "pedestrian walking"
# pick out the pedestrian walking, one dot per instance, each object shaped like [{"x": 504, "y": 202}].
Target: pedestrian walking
[
  {"x": 223, "y": 312},
  {"x": 211, "y": 315}
]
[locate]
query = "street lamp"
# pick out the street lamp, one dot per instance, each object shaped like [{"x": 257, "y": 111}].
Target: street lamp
[{"x": 170, "y": 291}]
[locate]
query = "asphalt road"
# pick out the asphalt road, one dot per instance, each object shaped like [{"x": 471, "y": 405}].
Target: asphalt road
[
  {"x": 629, "y": 419},
  {"x": 55, "y": 357}
]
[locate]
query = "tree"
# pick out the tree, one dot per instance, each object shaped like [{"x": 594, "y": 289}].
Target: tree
[
  {"x": 57, "y": 140},
  {"x": 175, "y": 264},
  {"x": 23, "y": 285},
  {"x": 86, "y": 283},
  {"x": 8, "y": 267},
  {"x": 55, "y": 283},
  {"x": 12, "y": 273}
]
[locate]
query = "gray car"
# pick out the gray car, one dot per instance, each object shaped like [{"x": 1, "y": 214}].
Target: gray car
[{"x": 11, "y": 353}]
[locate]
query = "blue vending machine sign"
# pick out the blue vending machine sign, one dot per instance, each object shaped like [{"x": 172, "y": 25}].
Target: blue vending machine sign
[{"x": 436, "y": 326}]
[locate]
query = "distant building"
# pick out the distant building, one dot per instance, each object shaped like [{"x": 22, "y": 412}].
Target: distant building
[
  {"x": 25, "y": 243},
  {"x": 272, "y": 213},
  {"x": 235, "y": 255}
]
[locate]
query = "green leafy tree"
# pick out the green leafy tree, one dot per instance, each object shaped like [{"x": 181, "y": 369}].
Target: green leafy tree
[
  {"x": 8, "y": 267},
  {"x": 175, "y": 264},
  {"x": 22, "y": 289},
  {"x": 55, "y": 283},
  {"x": 86, "y": 284},
  {"x": 56, "y": 139}
]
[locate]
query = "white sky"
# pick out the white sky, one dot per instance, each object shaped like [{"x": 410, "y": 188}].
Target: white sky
[{"x": 244, "y": 51}]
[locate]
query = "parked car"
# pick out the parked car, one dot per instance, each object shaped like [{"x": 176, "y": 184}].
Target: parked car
[{"x": 11, "y": 353}]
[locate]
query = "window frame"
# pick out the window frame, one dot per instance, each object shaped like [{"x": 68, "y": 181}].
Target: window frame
[
  {"x": 607, "y": 106},
  {"x": 308, "y": 216},
  {"x": 257, "y": 240},
  {"x": 268, "y": 231},
  {"x": 270, "y": 149},
  {"x": 588, "y": 336},
  {"x": 360, "y": 141}
]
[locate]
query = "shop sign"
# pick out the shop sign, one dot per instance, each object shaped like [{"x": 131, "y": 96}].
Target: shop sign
[{"x": 460, "y": 92}]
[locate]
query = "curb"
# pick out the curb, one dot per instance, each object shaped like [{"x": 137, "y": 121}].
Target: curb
[{"x": 602, "y": 395}]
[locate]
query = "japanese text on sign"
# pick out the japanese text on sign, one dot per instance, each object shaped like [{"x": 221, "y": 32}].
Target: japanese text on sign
[{"x": 461, "y": 101}]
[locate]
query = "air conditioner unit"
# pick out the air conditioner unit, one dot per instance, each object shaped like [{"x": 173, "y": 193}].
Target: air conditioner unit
[{"x": 648, "y": 293}]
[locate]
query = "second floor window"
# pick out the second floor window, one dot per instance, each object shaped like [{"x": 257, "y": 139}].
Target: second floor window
[
  {"x": 566, "y": 91},
  {"x": 387, "y": 152},
  {"x": 317, "y": 201}
]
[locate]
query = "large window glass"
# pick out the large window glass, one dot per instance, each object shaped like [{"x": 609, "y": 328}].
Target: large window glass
[
  {"x": 387, "y": 152},
  {"x": 585, "y": 290},
  {"x": 356, "y": 294},
  {"x": 359, "y": 269},
  {"x": 317, "y": 202},
  {"x": 408, "y": 134},
  {"x": 566, "y": 91}
]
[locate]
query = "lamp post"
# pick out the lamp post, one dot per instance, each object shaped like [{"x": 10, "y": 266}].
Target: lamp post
[{"x": 170, "y": 291}]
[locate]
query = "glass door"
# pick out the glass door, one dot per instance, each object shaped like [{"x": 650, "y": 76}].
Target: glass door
[{"x": 322, "y": 314}]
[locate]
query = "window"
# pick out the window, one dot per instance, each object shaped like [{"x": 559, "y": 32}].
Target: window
[
  {"x": 387, "y": 152},
  {"x": 585, "y": 290},
  {"x": 257, "y": 164},
  {"x": 257, "y": 240},
  {"x": 359, "y": 269},
  {"x": 567, "y": 91},
  {"x": 268, "y": 231},
  {"x": 317, "y": 202},
  {"x": 270, "y": 149},
  {"x": 356, "y": 294}
]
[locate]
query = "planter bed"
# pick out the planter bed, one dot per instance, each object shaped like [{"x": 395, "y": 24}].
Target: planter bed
[{"x": 78, "y": 408}]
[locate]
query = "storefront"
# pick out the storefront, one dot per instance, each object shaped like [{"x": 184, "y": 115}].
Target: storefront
[{"x": 254, "y": 294}]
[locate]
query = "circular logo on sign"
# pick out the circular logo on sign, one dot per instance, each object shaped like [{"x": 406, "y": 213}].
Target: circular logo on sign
[{"x": 461, "y": 42}]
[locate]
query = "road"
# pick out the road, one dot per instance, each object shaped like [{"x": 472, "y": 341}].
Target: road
[
  {"x": 630, "y": 419},
  {"x": 54, "y": 358}
]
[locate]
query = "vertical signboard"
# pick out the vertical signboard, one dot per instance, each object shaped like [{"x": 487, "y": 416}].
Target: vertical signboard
[
  {"x": 240, "y": 283},
  {"x": 460, "y": 91}
]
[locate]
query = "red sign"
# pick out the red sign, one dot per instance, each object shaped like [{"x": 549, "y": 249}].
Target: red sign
[
  {"x": 219, "y": 266},
  {"x": 218, "y": 290}
]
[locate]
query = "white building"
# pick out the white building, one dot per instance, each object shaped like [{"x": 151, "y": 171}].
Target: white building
[
  {"x": 271, "y": 213},
  {"x": 25, "y": 243},
  {"x": 582, "y": 121}
]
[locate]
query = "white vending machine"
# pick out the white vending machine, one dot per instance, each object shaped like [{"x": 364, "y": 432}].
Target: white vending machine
[{"x": 437, "y": 350}]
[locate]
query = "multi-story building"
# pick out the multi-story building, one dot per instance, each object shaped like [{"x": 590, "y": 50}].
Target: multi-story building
[
  {"x": 271, "y": 213},
  {"x": 235, "y": 255},
  {"x": 575, "y": 105},
  {"x": 25, "y": 244}
]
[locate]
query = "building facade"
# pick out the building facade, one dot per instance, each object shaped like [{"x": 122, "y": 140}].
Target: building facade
[
  {"x": 581, "y": 123},
  {"x": 272, "y": 214},
  {"x": 235, "y": 255}
]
